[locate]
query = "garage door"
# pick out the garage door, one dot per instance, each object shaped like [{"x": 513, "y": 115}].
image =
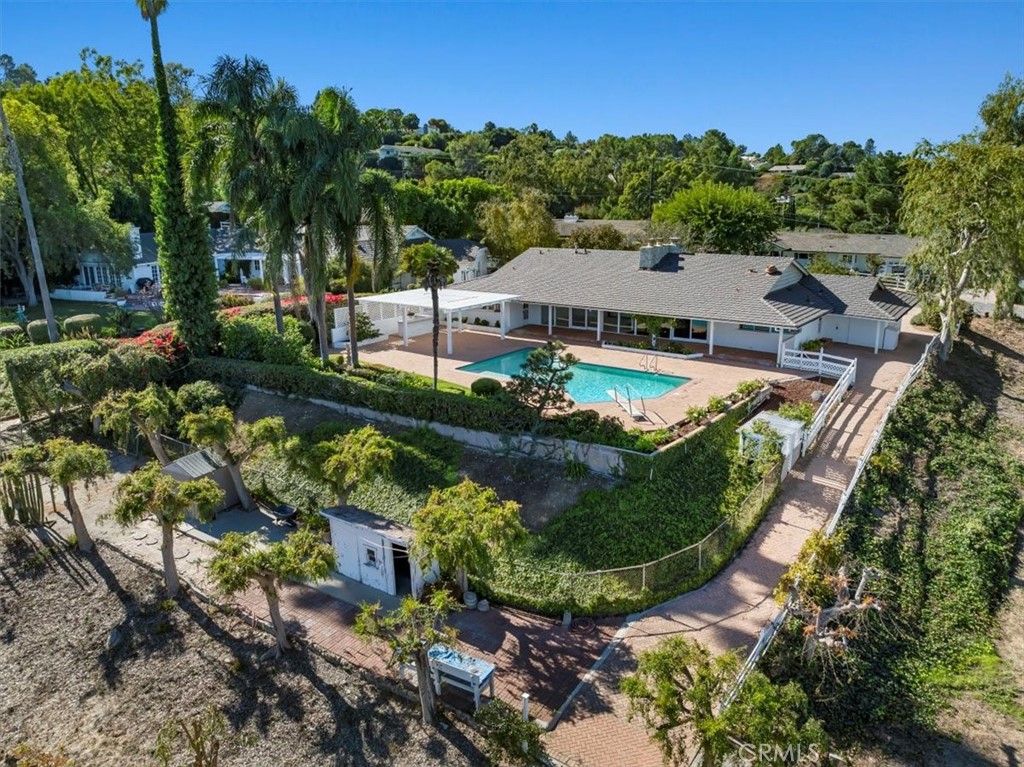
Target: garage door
[{"x": 862, "y": 333}]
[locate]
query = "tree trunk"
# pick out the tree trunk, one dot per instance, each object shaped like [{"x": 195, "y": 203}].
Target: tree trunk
[
  {"x": 167, "y": 553},
  {"x": 26, "y": 278},
  {"x": 274, "y": 605},
  {"x": 350, "y": 296},
  {"x": 244, "y": 497},
  {"x": 30, "y": 224},
  {"x": 437, "y": 327},
  {"x": 462, "y": 578},
  {"x": 321, "y": 330},
  {"x": 426, "y": 686},
  {"x": 278, "y": 311},
  {"x": 156, "y": 445},
  {"x": 77, "y": 520}
]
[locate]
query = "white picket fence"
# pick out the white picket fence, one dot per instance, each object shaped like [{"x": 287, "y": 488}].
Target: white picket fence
[
  {"x": 769, "y": 632},
  {"x": 841, "y": 368},
  {"x": 828, "y": 365}
]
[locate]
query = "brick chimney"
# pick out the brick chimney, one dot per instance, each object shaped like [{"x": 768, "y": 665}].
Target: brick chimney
[{"x": 651, "y": 255}]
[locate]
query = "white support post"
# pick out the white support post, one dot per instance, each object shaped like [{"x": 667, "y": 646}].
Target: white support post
[
  {"x": 551, "y": 318},
  {"x": 504, "y": 318},
  {"x": 711, "y": 338},
  {"x": 878, "y": 335},
  {"x": 405, "y": 325},
  {"x": 778, "y": 360},
  {"x": 600, "y": 325},
  {"x": 449, "y": 315}
]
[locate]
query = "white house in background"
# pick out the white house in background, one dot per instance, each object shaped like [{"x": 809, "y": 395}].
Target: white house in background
[
  {"x": 859, "y": 252},
  {"x": 406, "y": 153},
  {"x": 787, "y": 169},
  {"x": 755, "y": 303},
  {"x": 471, "y": 255},
  {"x": 374, "y": 551}
]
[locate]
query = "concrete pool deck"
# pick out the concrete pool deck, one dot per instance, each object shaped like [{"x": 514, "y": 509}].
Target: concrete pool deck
[{"x": 709, "y": 376}]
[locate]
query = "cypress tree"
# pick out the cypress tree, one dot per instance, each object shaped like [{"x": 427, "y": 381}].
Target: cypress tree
[{"x": 183, "y": 245}]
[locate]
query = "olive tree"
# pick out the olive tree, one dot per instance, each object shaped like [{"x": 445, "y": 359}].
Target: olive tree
[
  {"x": 355, "y": 457},
  {"x": 463, "y": 528},
  {"x": 150, "y": 492},
  {"x": 410, "y": 631},
  {"x": 232, "y": 441},
  {"x": 540, "y": 384},
  {"x": 243, "y": 560}
]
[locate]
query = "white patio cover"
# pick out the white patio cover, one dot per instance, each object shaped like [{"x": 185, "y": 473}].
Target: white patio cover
[{"x": 450, "y": 301}]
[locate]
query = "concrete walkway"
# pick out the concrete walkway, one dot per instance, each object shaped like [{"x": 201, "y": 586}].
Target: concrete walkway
[{"x": 729, "y": 612}]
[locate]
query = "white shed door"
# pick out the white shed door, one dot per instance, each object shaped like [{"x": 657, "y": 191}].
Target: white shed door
[
  {"x": 346, "y": 549},
  {"x": 373, "y": 569}
]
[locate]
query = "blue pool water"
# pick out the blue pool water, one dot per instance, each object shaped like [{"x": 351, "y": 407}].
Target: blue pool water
[{"x": 590, "y": 383}]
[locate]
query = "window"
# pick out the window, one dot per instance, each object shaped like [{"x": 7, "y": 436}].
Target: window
[
  {"x": 579, "y": 318},
  {"x": 155, "y": 271},
  {"x": 371, "y": 557},
  {"x": 803, "y": 256},
  {"x": 681, "y": 329},
  {"x": 544, "y": 314},
  {"x": 562, "y": 316},
  {"x": 526, "y": 311},
  {"x": 848, "y": 258},
  {"x": 699, "y": 330},
  {"x": 756, "y": 328}
]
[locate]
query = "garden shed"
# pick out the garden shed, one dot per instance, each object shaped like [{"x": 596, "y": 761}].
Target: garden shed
[
  {"x": 374, "y": 551},
  {"x": 790, "y": 431},
  {"x": 201, "y": 464}
]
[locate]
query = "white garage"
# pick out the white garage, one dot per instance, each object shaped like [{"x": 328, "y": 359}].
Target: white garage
[{"x": 375, "y": 551}]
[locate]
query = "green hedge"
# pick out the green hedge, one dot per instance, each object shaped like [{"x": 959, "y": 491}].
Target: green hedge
[
  {"x": 421, "y": 404},
  {"x": 92, "y": 323},
  {"x": 38, "y": 332},
  {"x": 8, "y": 330},
  {"x": 34, "y": 374}
]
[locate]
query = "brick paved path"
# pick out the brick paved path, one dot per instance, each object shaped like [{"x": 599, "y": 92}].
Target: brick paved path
[
  {"x": 531, "y": 654},
  {"x": 730, "y": 611}
]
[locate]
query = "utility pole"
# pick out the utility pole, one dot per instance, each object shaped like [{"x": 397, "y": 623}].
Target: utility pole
[{"x": 26, "y": 209}]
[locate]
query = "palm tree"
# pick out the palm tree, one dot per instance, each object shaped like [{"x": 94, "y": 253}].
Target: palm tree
[
  {"x": 242, "y": 109},
  {"x": 434, "y": 266},
  {"x": 379, "y": 200}
]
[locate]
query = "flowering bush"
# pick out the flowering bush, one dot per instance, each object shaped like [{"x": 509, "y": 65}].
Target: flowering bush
[{"x": 164, "y": 341}]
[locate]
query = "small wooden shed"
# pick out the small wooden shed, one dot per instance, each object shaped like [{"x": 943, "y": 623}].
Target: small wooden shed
[
  {"x": 202, "y": 464},
  {"x": 374, "y": 551}
]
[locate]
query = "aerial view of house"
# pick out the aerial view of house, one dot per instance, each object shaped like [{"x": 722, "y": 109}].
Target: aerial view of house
[{"x": 447, "y": 384}]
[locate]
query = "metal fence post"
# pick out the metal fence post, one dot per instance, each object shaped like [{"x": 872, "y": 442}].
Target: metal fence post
[{"x": 643, "y": 576}]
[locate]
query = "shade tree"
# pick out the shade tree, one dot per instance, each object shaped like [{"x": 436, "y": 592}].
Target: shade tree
[
  {"x": 718, "y": 218},
  {"x": 149, "y": 492},
  {"x": 244, "y": 560}
]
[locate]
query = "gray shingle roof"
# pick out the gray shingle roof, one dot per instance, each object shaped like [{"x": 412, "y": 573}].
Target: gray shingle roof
[
  {"x": 369, "y": 520},
  {"x": 462, "y": 249},
  {"x": 857, "y": 296},
  {"x": 364, "y": 245},
  {"x": 147, "y": 248},
  {"x": 703, "y": 285},
  {"x": 884, "y": 245},
  {"x": 709, "y": 286}
]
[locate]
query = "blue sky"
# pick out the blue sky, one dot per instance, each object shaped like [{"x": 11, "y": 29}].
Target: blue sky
[{"x": 764, "y": 72}]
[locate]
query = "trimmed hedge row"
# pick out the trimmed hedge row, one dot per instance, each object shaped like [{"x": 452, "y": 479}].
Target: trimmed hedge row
[
  {"x": 421, "y": 404},
  {"x": 32, "y": 374}
]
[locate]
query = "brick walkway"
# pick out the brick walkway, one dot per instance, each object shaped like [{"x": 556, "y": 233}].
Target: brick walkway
[
  {"x": 730, "y": 611},
  {"x": 531, "y": 654}
]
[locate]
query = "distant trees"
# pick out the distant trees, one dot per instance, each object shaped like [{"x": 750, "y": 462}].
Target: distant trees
[
  {"x": 602, "y": 237},
  {"x": 433, "y": 267},
  {"x": 716, "y": 218},
  {"x": 463, "y": 528},
  {"x": 512, "y": 227},
  {"x": 150, "y": 492},
  {"x": 244, "y": 560}
]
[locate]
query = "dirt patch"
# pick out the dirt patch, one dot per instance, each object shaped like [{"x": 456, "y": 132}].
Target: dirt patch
[
  {"x": 799, "y": 390},
  {"x": 61, "y": 688},
  {"x": 299, "y": 416},
  {"x": 540, "y": 488}
]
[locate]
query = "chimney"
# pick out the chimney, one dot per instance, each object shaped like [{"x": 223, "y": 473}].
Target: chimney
[{"x": 652, "y": 255}]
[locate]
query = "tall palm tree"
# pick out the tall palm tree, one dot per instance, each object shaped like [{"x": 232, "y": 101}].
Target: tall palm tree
[
  {"x": 379, "y": 200},
  {"x": 241, "y": 110},
  {"x": 434, "y": 266}
]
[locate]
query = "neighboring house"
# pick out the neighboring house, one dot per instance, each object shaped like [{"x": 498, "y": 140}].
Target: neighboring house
[
  {"x": 472, "y": 256},
  {"x": 884, "y": 254},
  {"x": 634, "y": 231},
  {"x": 787, "y": 169},
  {"x": 756, "y": 303},
  {"x": 96, "y": 275},
  {"x": 406, "y": 153}
]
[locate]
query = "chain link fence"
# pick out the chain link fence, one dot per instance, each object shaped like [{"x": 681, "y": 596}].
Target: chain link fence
[{"x": 627, "y": 589}]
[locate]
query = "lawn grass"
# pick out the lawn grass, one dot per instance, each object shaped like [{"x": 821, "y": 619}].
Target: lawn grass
[{"x": 142, "y": 320}]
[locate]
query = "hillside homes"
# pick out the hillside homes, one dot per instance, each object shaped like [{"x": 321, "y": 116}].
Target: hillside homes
[{"x": 883, "y": 254}]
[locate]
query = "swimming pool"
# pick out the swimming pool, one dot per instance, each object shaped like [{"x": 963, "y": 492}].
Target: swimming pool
[{"x": 590, "y": 383}]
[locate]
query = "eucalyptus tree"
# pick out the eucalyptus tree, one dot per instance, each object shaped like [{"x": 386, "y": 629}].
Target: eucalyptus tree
[
  {"x": 189, "y": 281},
  {"x": 240, "y": 113}
]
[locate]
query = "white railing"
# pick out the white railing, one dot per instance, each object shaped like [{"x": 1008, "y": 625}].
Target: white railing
[
  {"x": 829, "y": 405},
  {"x": 895, "y": 281},
  {"x": 769, "y": 632},
  {"x": 817, "y": 362}
]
